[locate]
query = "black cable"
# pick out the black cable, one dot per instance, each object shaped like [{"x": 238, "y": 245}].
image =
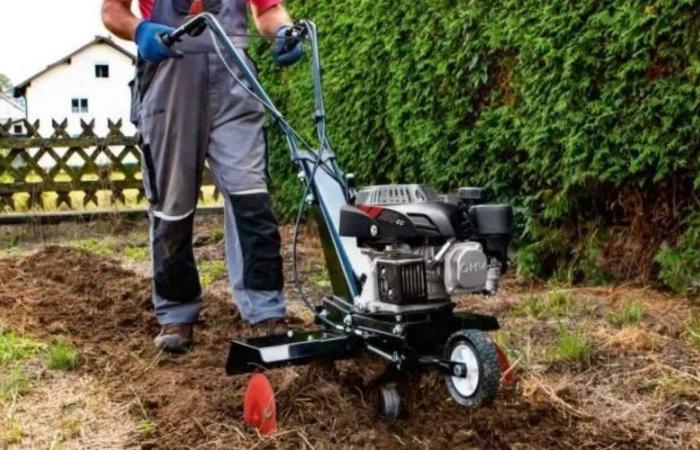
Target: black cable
[{"x": 318, "y": 163}]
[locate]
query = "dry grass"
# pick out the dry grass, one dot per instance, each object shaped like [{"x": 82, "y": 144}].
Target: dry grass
[{"x": 69, "y": 411}]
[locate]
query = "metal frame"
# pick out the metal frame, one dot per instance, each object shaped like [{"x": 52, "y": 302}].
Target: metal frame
[{"x": 406, "y": 340}]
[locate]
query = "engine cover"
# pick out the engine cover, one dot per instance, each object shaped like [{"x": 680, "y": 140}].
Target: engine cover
[{"x": 466, "y": 268}]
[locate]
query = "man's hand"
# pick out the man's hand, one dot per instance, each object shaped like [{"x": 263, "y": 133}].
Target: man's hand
[
  {"x": 148, "y": 40},
  {"x": 286, "y": 49},
  {"x": 275, "y": 21}
]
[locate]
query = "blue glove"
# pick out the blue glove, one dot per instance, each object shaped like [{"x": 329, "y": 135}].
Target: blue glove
[
  {"x": 286, "y": 50},
  {"x": 151, "y": 46}
]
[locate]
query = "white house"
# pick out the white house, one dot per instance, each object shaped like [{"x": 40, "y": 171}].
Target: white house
[
  {"x": 90, "y": 83},
  {"x": 11, "y": 111}
]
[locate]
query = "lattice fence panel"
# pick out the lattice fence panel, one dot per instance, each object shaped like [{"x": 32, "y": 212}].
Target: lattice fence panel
[{"x": 64, "y": 172}]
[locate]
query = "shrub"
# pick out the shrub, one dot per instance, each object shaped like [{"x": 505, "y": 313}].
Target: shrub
[
  {"x": 576, "y": 112},
  {"x": 680, "y": 265}
]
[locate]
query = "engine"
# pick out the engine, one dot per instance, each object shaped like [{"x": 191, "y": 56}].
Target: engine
[{"x": 426, "y": 247}]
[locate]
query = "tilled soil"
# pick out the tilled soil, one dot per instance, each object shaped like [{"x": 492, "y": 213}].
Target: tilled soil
[{"x": 105, "y": 311}]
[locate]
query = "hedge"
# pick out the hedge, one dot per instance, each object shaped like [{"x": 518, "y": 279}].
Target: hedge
[{"x": 583, "y": 114}]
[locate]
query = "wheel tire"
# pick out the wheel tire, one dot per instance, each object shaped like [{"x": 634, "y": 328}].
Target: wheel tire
[
  {"x": 484, "y": 355},
  {"x": 389, "y": 402}
]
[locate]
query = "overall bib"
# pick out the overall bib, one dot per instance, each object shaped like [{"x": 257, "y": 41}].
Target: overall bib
[{"x": 190, "y": 111}]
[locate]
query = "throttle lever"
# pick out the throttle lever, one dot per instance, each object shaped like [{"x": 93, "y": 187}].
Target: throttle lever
[
  {"x": 169, "y": 41},
  {"x": 294, "y": 33}
]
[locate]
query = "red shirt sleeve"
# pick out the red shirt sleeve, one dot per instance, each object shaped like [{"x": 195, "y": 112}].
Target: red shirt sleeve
[
  {"x": 146, "y": 7},
  {"x": 263, "y": 5}
]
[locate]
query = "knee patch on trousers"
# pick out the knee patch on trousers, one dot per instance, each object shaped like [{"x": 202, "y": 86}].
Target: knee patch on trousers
[
  {"x": 174, "y": 270},
  {"x": 260, "y": 241}
]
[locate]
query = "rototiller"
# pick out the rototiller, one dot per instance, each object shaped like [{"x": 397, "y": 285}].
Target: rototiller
[{"x": 396, "y": 255}]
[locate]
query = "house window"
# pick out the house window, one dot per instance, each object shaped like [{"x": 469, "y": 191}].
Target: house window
[
  {"x": 18, "y": 129},
  {"x": 101, "y": 71},
  {"x": 79, "y": 105}
]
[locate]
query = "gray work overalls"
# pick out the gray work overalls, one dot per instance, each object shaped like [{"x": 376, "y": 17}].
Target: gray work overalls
[{"x": 189, "y": 111}]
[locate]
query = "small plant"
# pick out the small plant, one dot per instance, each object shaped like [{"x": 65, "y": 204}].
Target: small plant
[
  {"x": 146, "y": 428},
  {"x": 555, "y": 304},
  {"x": 13, "y": 384},
  {"x": 628, "y": 314},
  {"x": 14, "y": 348},
  {"x": 693, "y": 332},
  {"x": 14, "y": 241},
  {"x": 61, "y": 356},
  {"x": 211, "y": 271},
  {"x": 572, "y": 346}
]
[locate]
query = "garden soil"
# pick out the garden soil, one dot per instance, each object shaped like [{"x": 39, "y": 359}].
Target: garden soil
[{"x": 105, "y": 311}]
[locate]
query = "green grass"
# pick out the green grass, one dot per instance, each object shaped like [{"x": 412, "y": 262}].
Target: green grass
[
  {"x": 217, "y": 234},
  {"x": 572, "y": 346},
  {"x": 628, "y": 314},
  {"x": 102, "y": 247},
  {"x": 14, "y": 348},
  {"x": 61, "y": 356},
  {"x": 320, "y": 279},
  {"x": 137, "y": 254},
  {"x": 146, "y": 428},
  {"x": 211, "y": 271},
  {"x": 556, "y": 304}
]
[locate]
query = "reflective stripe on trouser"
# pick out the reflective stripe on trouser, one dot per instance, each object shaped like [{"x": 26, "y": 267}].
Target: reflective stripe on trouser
[{"x": 195, "y": 112}]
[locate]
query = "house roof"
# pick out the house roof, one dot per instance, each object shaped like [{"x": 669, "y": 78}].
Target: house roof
[
  {"x": 6, "y": 98},
  {"x": 20, "y": 89}
]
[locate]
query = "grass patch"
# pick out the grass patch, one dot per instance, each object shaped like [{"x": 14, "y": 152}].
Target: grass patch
[
  {"x": 628, "y": 314},
  {"x": 572, "y": 346},
  {"x": 14, "y": 348},
  {"x": 13, "y": 384},
  {"x": 320, "y": 279},
  {"x": 676, "y": 387},
  {"x": 211, "y": 271},
  {"x": 556, "y": 304},
  {"x": 146, "y": 428},
  {"x": 216, "y": 234},
  {"x": 137, "y": 254},
  {"x": 11, "y": 433},
  {"x": 692, "y": 332},
  {"x": 102, "y": 247},
  {"x": 61, "y": 356}
]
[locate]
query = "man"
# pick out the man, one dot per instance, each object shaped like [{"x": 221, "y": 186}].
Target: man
[{"x": 189, "y": 110}]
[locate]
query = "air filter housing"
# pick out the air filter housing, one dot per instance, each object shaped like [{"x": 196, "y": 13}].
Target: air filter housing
[{"x": 396, "y": 194}]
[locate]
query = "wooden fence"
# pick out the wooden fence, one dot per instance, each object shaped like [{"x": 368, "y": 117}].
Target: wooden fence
[{"x": 74, "y": 174}]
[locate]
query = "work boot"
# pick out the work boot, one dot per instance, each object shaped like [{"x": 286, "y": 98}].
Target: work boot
[
  {"x": 272, "y": 327},
  {"x": 175, "y": 338}
]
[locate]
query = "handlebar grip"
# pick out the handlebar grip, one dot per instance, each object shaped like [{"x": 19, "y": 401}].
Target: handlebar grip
[{"x": 168, "y": 39}]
